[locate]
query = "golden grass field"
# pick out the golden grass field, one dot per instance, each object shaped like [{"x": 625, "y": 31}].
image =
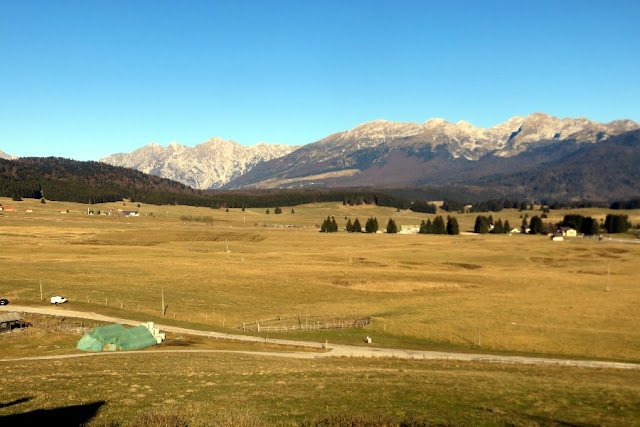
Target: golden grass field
[
  {"x": 495, "y": 294},
  {"x": 231, "y": 389}
]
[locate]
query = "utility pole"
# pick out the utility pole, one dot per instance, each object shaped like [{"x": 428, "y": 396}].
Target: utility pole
[
  {"x": 41, "y": 297},
  {"x": 162, "y": 302}
]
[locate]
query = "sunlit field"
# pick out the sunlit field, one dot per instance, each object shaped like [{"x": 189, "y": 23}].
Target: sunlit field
[
  {"x": 230, "y": 389},
  {"x": 217, "y": 269}
]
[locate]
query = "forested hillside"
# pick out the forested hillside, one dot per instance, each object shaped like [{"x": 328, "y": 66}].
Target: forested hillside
[{"x": 56, "y": 178}]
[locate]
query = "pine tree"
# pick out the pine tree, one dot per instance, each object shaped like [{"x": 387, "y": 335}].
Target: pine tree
[
  {"x": 438, "y": 226},
  {"x": 371, "y": 226},
  {"x": 326, "y": 225},
  {"x": 423, "y": 228},
  {"x": 349, "y": 226},
  {"x": 590, "y": 227},
  {"x": 617, "y": 223},
  {"x": 498, "y": 227},
  {"x": 356, "y": 227},
  {"x": 506, "y": 228},
  {"x": 268, "y": 212},
  {"x": 277, "y": 210},
  {"x": 293, "y": 211},
  {"x": 391, "y": 226},
  {"x": 482, "y": 225},
  {"x": 334, "y": 225},
  {"x": 452, "y": 226},
  {"x": 535, "y": 225}
]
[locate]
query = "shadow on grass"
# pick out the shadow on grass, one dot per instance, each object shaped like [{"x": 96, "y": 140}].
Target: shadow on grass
[
  {"x": 539, "y": 419},
  {"x": 70, "y": 415},
  {"x": 545, "y": 421},
  {"x": 15, "y": 402}
]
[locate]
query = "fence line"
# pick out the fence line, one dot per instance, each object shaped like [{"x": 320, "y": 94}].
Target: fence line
[{"x": 258, "y": 327}]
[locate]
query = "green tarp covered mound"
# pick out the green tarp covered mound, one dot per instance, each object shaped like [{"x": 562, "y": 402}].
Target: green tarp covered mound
[{"x": 116, "y": 337}]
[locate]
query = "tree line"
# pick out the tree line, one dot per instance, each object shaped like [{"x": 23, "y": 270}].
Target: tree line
[
  {"x": 438, "y": 226},
  {"x": 582, "y": 224},
  {"x": 329, "y": 225},
  {"x": 492, "y": 205},
  {"x": 626, "y": 204},
  {"x": 589, "y": 226},
  {"x": 486, "y": 224},
  {"x": 61, "y": 179}
]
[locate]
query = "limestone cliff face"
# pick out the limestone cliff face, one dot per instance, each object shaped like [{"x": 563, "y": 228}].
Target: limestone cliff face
[
  {"x": 208, "y": 165},
  {"x": 6, "y": 156}
]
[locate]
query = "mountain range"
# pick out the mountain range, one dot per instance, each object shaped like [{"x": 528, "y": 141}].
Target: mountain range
[
  {"x": 5, "y": 156},
  {"x": 206, "y": 166},
  {"x": 438, "y": 153},
  {"x": 535, "y": 156}
]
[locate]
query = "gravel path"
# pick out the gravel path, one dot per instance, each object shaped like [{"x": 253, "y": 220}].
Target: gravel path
[{"x": 334, "y": 350}]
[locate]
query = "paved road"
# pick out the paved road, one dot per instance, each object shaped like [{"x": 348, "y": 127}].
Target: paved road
[{"x": 334, "y": 350}]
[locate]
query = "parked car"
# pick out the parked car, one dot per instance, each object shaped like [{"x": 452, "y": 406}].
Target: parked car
[
  {"x": 58, "y": 300},
  {"x": 4, "y": 301}
]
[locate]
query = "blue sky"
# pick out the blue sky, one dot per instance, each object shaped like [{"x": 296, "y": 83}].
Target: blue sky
[{"x": 85, "y": 79}]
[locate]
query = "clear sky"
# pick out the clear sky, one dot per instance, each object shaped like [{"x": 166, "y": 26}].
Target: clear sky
[{"x": 85, "y": 79}]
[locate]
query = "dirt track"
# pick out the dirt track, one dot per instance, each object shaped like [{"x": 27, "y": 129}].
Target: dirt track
[{"x": 335, "y": 350}]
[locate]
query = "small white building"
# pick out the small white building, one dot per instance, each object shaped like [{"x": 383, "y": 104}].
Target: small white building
[
  {"x": 568, "y": 232},
  {"x": 409, "y": 229}
]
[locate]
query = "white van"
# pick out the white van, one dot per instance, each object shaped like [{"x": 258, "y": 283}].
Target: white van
[{"x": 58, "y": 300}]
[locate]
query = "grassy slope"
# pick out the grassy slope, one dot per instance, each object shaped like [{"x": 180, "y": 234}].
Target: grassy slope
[
  {"x": 508, "y": 293},
  {"x": 287, "y": 392}
]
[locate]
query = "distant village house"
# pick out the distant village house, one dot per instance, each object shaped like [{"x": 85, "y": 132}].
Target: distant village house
[{"x": 568, "y": 232}]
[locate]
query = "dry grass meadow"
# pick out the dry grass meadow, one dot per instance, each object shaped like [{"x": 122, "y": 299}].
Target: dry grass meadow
[{"x": 496, "y": 294}]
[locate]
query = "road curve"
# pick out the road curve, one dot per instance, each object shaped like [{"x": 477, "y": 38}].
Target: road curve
[{"x": 334, "y": 350}]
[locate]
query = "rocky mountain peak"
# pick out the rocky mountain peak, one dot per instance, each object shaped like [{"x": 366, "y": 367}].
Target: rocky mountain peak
[
  {"x": 210, "y": 164},
  {"x": 6, "y": 156},
  {"x": 217, "y": 162}
]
